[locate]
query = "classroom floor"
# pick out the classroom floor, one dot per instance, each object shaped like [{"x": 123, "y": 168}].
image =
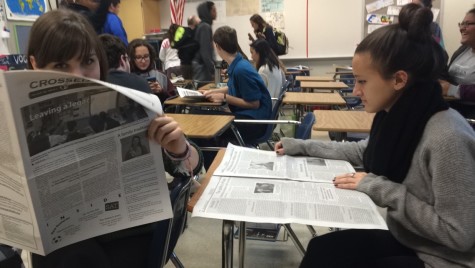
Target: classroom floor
[{"x": 200, "y": 244}]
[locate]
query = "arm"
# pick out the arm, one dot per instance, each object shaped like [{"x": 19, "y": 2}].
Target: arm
[
  {"x": 348, "y": 151},
  {"x": 116, "y": 27},
  {"x": 443, "y": 210},
  {"x": 166, "y": 132},
  {"x": 165, "y": 45}
]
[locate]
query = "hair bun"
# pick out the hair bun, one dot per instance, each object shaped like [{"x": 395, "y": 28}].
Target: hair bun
[{"x": 416, "y": 20}]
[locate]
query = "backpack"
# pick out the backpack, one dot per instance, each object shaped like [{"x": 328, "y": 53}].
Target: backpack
[
  {"x": 282, "y": 42},
  {"x": 184, "y": 41}
]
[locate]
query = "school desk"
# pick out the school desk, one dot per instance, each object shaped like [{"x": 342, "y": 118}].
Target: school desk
[
  {"x": 343, "y": 121},
  {"x": 315, "y": 78},
  {"x": 310, "y": 85},
  {"x": 202, "y": 126},
  {"x": 303, "y": 99}
]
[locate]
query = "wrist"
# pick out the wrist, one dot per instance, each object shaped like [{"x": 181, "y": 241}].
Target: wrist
[
  {"x": 180, "y": 156},
  {"x": 224, "y": 98}
]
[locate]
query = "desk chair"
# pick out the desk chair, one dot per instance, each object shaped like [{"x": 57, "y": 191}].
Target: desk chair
[{"x": 149, "y": 245}]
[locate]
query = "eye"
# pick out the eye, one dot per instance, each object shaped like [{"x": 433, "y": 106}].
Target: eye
[
  {"x": 90, "y": 61},
  {"x": 60, "y": 66},
  {"x": 361, "y": 82}
]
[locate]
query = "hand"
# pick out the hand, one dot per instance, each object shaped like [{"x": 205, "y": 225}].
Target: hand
[
  {"x": 250, "y": 37},
  {"x": 166, "y": 132},
  {"x": 445, "y": 87},
  {"x": 215, "y": 97},
  {"x": 261, "y": 35},
  {"x": 204, "y": 91},
  {"x": 279, "y": 148},
  {"x": 155, "y": 87},
  {"x": 349, "y": 180}
]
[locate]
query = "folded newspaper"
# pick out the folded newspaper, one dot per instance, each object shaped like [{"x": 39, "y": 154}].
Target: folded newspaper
[
  {"x": 190, "y": 94},
  {"x": 75, "y": 160},
  {"x": 259, "y": 186}
]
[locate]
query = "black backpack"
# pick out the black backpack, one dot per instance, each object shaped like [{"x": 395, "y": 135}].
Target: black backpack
[
  {"x": 9, "y": 258},
  {"x": 185, "y": 43}
]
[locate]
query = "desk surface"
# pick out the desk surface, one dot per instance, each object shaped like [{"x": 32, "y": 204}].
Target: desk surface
[
  {"x": 204, "y": 182},
  {"x": 304, "y": 98},
  {"x": 202, "y": 126},
  {"x": 212, "y": 86},
  {"x": 323, "y": 85},
  {"x": 315, "y": 78},
  {"x": 190, "y": 102},
  {"x": 343, "y": 121}
]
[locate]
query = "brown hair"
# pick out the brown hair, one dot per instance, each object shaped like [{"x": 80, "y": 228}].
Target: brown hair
[
  {"x": 131, "y": 51},
  {"x": 61, "y": 35},
  {"x": 261, "y": 23}
]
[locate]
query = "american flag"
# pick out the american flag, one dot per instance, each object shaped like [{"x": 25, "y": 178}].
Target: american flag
[{"x": 176, "y": 9}]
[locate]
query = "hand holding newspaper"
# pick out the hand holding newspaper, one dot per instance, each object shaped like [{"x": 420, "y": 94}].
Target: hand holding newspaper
[
  {"x": 76, "y": 160},
  {"x": 259, "y": 186}
]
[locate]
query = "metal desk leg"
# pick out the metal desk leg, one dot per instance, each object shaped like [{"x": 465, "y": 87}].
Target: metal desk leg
[
  {"x": 242, "y": 243},
  {"x": 227, "y": 244},
  {"x": 238, "y": 135},
  {"x": 295, "y": 239}
]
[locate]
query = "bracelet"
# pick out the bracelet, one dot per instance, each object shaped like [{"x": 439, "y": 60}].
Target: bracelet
[{"x": 180, "y": 157}]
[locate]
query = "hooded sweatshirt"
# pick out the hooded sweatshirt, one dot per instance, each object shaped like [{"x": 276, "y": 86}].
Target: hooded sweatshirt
[{"x": 204, "y": 36}]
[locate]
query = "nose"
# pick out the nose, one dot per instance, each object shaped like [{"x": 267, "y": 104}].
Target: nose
[
  {"x": 356, "y": 90},
  {"x": 77, "y": 70}
]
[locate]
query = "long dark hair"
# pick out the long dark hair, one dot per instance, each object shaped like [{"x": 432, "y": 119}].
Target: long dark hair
[
  {"x": 131, "y": 51},
  {"x": 266, "y": 54},
  {"x": 261, "y": 23}
]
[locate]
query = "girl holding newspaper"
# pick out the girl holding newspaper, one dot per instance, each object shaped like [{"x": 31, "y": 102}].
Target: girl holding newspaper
[{"x": 62, "y": 40}]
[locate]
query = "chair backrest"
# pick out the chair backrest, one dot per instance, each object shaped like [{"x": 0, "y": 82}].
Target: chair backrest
[
  {"x": 164, "y": 244},
  {"x": 304, "y": 130}
]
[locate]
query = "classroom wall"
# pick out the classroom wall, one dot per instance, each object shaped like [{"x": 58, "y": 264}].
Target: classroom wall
[{"x": 452, "y": 12}]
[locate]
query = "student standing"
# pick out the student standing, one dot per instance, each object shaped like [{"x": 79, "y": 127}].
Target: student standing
[
  {"x": 169, "y": 55},
  {"x": 263, "y": 30},
  {"x": 94, "y": 10},
  {"x": 419, "y": 159},
  {"x": 113, "y": 24},
  {"x": 203, "y": 62}
]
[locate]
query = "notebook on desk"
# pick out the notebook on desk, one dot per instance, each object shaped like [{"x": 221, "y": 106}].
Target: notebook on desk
[{"x": 190, "y": 94}]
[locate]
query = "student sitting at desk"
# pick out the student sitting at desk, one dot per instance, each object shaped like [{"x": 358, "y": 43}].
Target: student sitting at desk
[
  {"x": 62, "y": 40},
  {"x": 246, "y": 94},
  {"x": 418, "y": 161},
  {"x": 269, "y": 66},
  {"x": 461, "y": 69}
]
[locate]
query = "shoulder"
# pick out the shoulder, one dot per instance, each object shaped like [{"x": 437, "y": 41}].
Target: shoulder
[{"x": 448, "y": 130}]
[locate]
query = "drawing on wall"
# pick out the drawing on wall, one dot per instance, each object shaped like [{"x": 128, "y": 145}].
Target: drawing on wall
[
  {"x": 276, "y": 19},
  {"x": 25, "y": 10},
  {"x": 379, "y": 4},
  {"x": 221, "y": 10},
  {"x": 272, "y": 5},
  {"x": 241, "y": 7}
]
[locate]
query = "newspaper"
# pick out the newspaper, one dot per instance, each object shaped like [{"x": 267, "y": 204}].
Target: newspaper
[
  {"x": 75, "y": 160},
  {"x": 188, "y": 93},
  {"x": 248, "y": 162},
  {"x": 243, "y": 195}
]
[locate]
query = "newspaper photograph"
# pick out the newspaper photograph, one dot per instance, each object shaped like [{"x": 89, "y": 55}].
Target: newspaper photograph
[
  {"x": 283, "y": 201},
  {"x": 77, "y": 162},
  {"x": 248, "y": 162}
]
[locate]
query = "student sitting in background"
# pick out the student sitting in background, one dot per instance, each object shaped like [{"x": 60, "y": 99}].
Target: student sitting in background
[
  {"x": 62, "y": 40},
  {"x": 418, "y": 160},
  {"x": 142, "y": 56},
  {"x": 461, "y": 69},
  {"x": 268, "y": 66}
]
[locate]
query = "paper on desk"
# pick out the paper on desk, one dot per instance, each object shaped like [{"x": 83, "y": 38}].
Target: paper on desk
[
  {"x": 188, "y": 93},
  {"x": 279, "y": 201},
  {"x": 247, "y": 162}
]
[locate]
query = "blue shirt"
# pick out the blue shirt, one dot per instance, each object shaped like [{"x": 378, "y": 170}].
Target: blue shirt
[
  {"x": 113, "y": 25},
  {"x": 245, "y": 83}
]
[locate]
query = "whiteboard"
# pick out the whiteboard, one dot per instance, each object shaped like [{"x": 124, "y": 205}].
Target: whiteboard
[{"x": 334, "y": 27}]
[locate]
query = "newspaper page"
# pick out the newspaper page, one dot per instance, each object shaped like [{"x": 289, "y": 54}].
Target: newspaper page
[
  {"x": 77, "y": 162},
  {"x": 283, "y": 201},
  {"x": 247, "y": 162},
  {"x": 188, "y": 93}
]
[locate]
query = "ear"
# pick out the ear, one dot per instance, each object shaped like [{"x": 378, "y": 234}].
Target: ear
[
  {"x": 33, "y": 62},
  {"x": 400, "y": 80}
]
